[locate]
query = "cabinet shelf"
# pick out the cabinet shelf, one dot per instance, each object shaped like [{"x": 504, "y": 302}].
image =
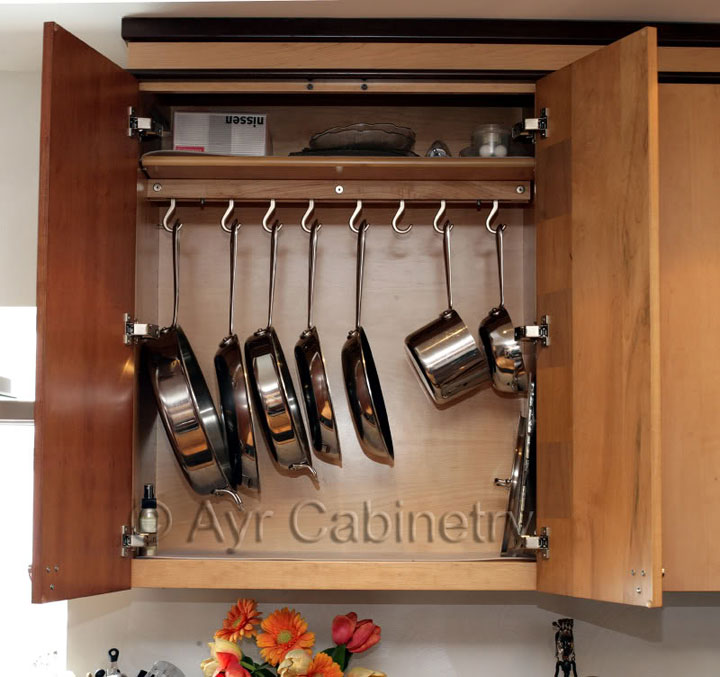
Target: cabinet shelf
[
  {"x": 219, "y": 177},
  {"x": 332, "y": 575},
  {"x": 172, "y": 166}
]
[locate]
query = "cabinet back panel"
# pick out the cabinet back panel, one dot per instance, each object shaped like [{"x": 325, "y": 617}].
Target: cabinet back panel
[{"x": 445, "y": 461}]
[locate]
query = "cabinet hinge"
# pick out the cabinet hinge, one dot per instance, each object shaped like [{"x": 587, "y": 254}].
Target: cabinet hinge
[
  {"x": 541, "y": 543},
  {"x": 535, "y": 332},
  {"x": 530, "y": 128},
  {"x": 132, "y": 541},
  {"x": 143, "y": 127},
  {"x": 134, "y": 331}
]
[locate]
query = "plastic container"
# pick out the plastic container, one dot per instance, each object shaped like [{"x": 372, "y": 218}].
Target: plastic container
[{"x": 491, "y": 140}]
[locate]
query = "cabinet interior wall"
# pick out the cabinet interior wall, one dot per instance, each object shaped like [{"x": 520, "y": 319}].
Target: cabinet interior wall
[{"x": 446, "y": 460}]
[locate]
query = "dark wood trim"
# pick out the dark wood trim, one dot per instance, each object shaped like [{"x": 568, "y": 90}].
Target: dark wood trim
[
  {"x": 411, "y": 30},
  {"x": 443, "y": 76}
]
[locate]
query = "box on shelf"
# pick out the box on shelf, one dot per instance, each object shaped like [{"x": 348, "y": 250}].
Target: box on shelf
[{"x": 222, "y": 133}]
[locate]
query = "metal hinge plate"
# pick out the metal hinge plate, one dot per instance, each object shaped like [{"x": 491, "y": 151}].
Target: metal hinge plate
[
  {"x": 134, "y": 331},
  {"x": 530, "y": 128},
  {"x": 535, "y": 332},
  {"x": 132, "y": 541},
  {"x": 142, "y": 126},
  {"x": 541, "y": 543}
]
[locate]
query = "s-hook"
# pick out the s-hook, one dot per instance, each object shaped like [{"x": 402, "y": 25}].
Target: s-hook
[
  {"x": 490, "y": 217},
  {"x": 396, "y": 218},
  {"x": 168, "y": 215},
  {"x": 306, "y": 217},
  {"x": 438, "y": 216},
  {"x": 268, "y": 215},
  {"x": 224, "y": 221},
  {"x": 351, "y": 222}
]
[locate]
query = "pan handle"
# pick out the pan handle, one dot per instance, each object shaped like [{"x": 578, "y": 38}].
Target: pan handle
[
  {"x": 234, "y": 228},
  {"x": 273, "y": 268},
  {"x": 314, "y": 230},
  {"x": 176, "y": 270},
  {"x": 364, "y": 225},
  {"x": 448, "y": 266},
  {"x": 501, "y": 261}
]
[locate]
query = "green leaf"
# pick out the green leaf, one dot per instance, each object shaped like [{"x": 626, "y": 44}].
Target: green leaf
[
  {"x": 263, "y": 672},
  {"x": 330, "y": 652},
  {"x": 342, "y": 656}
]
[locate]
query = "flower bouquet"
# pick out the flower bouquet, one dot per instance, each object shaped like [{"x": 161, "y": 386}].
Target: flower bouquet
[{"x": 286, "y": 645}]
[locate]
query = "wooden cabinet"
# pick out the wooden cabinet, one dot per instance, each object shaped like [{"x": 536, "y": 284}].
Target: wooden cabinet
[{"x": 592, "y": 232}]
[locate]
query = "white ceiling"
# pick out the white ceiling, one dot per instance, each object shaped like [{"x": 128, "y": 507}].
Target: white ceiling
[{"x": 99, "y": 23}]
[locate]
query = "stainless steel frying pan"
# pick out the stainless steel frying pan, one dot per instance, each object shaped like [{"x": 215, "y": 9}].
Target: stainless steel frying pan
[
  {"x": 273, "y": 390},
  {"x": 362, "y": 384},
  {"x": 185, "y": 405},
  {"x": 234, "y": 398},
  {"x": 313, "y": 375}
]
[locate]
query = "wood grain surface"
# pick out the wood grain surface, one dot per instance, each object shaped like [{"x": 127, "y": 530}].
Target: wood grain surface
[
  {"x": 86, "y": 271},
  {"x": 330, "y": 575},
  {"x": 599, "y": 382},
  {"x": 690, "y": 265}
]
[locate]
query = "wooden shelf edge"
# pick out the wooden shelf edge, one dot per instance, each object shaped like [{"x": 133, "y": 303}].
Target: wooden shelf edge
[
  {"x": 338, "y": 168},
  {"x": 506, "y": 575}
]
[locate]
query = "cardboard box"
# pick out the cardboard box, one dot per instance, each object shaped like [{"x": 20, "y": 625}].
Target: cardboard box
[{"x": 222, "y": 133}]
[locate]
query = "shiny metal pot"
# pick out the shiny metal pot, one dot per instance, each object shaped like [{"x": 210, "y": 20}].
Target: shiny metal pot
[
  {"x": 444, "y": 352},
  {"x": 313, "y": 375},
  {"x": 234, "y": 393},
  {"x": 362, "y": 384},
  {"x": 185, "y": 405},
  {"x": 272, "y": 387},
  {"x": 497, "y": 334}
]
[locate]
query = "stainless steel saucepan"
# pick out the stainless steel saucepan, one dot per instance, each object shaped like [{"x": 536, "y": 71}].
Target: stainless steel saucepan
[
  {"x": 273, "y": 390},
  {"x": 313, "y": 375},
  {"x": 185, "y": 405},
  {"x": 234, "y": 392},
  {"x": 497, "y": 333},
  {"x": 362, "y": 384},
  {"x": 444, "y": 353}
]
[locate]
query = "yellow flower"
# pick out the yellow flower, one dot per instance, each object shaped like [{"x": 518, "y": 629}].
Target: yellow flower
[
  {"x": 295, "y": 664},
  {"x": 284, "y": 630},
  {"x": 364, "y": 672},
  {"x": 240, "y": 621}
]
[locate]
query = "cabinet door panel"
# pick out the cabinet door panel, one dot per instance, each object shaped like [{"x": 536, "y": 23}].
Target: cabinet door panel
[
  {"x": 597, "y": 277},
  {"x": 690, "y": 324},
  {"x": 86, "y": 271}
]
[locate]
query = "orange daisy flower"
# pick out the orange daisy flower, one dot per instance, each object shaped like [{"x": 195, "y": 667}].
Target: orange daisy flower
[
  {"x": 284, "y": 630},
  {"x": 324, "y": 666},
  {"x": 240, "y": 621}
]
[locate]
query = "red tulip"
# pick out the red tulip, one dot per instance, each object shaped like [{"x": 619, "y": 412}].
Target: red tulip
[
  {"x": 366, "y": 634},
  {"x": 236, "y": 670},
  {"x": 359, "y": 636},
  {"x": 343, "y": 628}
]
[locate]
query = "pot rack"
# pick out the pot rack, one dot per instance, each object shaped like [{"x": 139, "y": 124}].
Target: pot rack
[{"x": 267, "y": 219}]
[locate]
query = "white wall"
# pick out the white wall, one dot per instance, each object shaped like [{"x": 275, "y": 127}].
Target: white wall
[
  {"x": 19, "y": 141},
  {"x": 424, "y": 635}
]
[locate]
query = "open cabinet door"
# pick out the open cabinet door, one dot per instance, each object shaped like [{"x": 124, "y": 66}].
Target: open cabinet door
[
  {"x": 86, "y": 282},
  {"x": 597, "y": 278}
]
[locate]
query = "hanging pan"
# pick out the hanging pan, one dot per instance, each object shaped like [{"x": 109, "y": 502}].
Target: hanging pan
[
  {"x": 184, "y": 402},
  {"x": 312, "y": 372},
  {"x": 497, "y": 332},
  {"x": 232, "y": 381},
  {"x": 273, "y": 390},
  {"x": 362, "y": 384},
  {"x": 444, "y": 352}
]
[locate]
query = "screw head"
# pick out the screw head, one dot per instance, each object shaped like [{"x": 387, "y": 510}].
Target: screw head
[
  {"x": 520, "y": 190},
  {"x": 364, "y": 86},
  {"x": 157, "y": 187},
  {"x": 642, "y": 572},
  {"x": 57, "y": 568},
  {"x": 638, "y": 590},
  {"x": 47, "y": 569},
  {"x": 339, "y": 190},
  {"x": 310, "y": 85},
  {"x": 52, "y": 586},
  {"x": 632, "y": 572}
]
